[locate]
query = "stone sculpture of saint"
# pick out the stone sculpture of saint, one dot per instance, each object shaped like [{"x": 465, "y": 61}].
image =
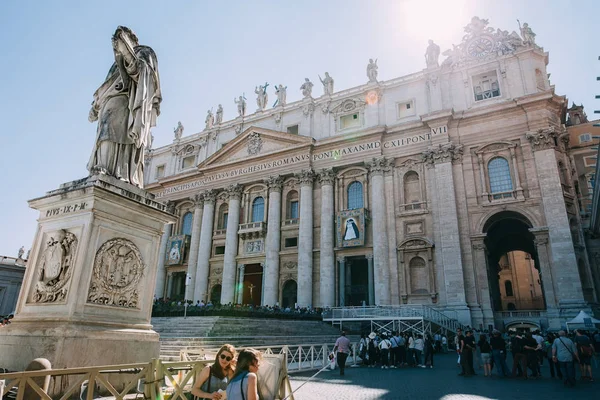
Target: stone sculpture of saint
[
  {"x": 126, "y": 106},
  {"x": 262, "y": 97},
  {"x": 432, "y": 55},
  {"x": 210, "y": 120},
  {"x": 327, "y": 84},
  {"x": 281, "y": 93},
  {"x": 307, "y": 88},
  {"x": 219, "y": 115},
  {"x": 372, "y": 70},
  {"x": 527, "y": 34},
  {"x": 178, "y": 131},
  {"x": 241, "y": 105}
]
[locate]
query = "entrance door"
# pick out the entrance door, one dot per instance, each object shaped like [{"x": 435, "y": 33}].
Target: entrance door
[
  {"x": 253, "y": 277},
  {"x": 289, "y": 294},
  {"x": 357, "y": 278}
]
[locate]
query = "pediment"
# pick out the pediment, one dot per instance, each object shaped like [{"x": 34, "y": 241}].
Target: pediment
[
  {"x": 415, "y": 243},
  {"x": 494, "y": 146},
  {"x": 253, "y": 143}
]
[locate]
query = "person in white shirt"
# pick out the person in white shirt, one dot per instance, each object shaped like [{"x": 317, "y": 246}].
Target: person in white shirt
[
  {"x": 419, "y": 346},
  {"x": 384, "y": 348}
]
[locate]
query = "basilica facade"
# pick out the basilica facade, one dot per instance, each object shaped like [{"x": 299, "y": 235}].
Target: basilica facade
[{"x": 415, "y": 190}]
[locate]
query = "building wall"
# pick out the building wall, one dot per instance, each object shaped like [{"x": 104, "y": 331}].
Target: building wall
[{"x": 12, "y": 271}]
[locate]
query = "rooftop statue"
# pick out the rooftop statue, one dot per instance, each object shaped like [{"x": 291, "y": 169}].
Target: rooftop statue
[
  {"x": 241, "y": 105},
  {"x": 209, "y": 120},
  {"x": 527, "y": 34},
  {"x": 372, "y": 70},
  {"x": 327, "y": 84},
  {"x": 281, "y": 93},
  {"x": 307, "y": 88},
  {"x": 126, "y": 106},
  {"x": 432, "y": 55},
  {"x": 178, "y": 131},
  {"x": 262, "y": 97},
  {"x": 219, "y": 115}
]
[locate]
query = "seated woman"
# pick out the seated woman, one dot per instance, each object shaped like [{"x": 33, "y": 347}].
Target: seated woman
[
  {"x": 216, "y": 376},
  {"x": 244, "y": 384}
]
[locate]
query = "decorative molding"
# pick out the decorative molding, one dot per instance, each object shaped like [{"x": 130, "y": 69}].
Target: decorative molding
[
  {"x": 308, "y": 108},
  {"x": 306, "y": 177},
  {"x": 254, "y": 143},
  {"x": 198, "y": 200},
  {"x": 543, "y": 139},
  {"x": 348, "y": 106},
  {"x": 117, "y": 273},
  {"x": 447, "y": 152},
  {"x": 290, "y": 265},
  {"x": 234, "y": 191},
  {"x": 274, "y": 183},
  {"x": 379, "y": 165},
  {"x": 209, "y": 196},
  {"x": 55, "y": 268},
  {"x": 326, "y": 176}
]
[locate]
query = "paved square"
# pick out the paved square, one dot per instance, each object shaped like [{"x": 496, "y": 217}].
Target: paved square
[{"x": 440, "y": 383}]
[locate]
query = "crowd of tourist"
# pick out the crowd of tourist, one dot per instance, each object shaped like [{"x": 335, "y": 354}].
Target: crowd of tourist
[
  {"x": 177, "y": 308},
  {"x": 486, "y": 351}
]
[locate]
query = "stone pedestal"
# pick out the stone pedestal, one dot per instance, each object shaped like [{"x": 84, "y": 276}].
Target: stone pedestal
[{"x": 87, "y": 294}]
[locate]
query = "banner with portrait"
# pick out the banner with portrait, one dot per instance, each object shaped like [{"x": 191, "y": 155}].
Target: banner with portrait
[
  {"x": 176, "y": 247},
  {"x": 351, "y": 228}
]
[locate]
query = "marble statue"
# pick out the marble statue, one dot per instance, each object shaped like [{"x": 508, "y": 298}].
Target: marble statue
[
  {"x": 219, "y": 119},
  {"x": 178, "y": 131},
  {"x": 262, "y": 97},
  {"x": 241, "y": 105},
  {"x": 372, "y": 70},
  {"x": 453, "y": 55},
  {"x": 327, "y": 84},
  {"x": 527, "y": 34},
  {"x": 21, "y": 252},
  {"x": 432, "y": 55},
  {"x": 281, "y": 93},
  {"x": 209, "y": 120},
  {"x": 307, "y": 88},
  {"x": 126, "y": 106}
]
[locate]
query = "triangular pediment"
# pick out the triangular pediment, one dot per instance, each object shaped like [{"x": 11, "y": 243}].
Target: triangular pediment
[{"x": 254, "y": 143}]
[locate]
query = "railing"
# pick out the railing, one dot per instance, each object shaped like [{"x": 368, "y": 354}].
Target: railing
[
  {"x": 151, "y": 378},
  {"x": 291, "y": 221},
  {"x": 392, "y": 312},
  {"x": 251, "y": 226},
  {"x": 522, "y": 314}
]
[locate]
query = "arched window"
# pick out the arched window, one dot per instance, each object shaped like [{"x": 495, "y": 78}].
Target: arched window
[
  {"x": 412, "y": 191},
  {"x": 419, "y": 276},
  {"x": 508, "y": 288},
  {"x": 499, "y": 173},
  {"x": 292, "y": 205},
  {"x": 215, "y": 294},
  {"x": 258, "y": 209},
  {"x": 355, "y": 196},
  {"x": 186, "y": 223},
  {"x": 223, "y": 214}
]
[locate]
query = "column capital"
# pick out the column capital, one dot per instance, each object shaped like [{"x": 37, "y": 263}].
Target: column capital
[
  {"x": 198, "y": 200},
  {"x": 477, "y": 241},
  {"x": 306, "y": 177},
  {"x": 326, "y": 176},
  {"x": 369, "y": 256},
  {"x": 447, "y": 152},
  {"x": 170, "y": 206},
  {"x": 274, "y": 183},
  {"x": 379, "y": 165},
  {"x": 548, "y": 138},
  {"x": 241, "y": 266},
  {"x": 210, "y": 196},
  {"x": 340, "y": 259},
  {"x": 234, "y": 191}
]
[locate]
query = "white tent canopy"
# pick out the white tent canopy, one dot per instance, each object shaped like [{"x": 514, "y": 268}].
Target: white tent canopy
[{"x": 580, "y": 320}]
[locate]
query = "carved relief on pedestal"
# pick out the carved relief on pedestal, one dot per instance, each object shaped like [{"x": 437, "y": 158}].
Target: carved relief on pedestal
[
  {"x": 118, "y": 270},
  {"x": 55, "y": 268}
]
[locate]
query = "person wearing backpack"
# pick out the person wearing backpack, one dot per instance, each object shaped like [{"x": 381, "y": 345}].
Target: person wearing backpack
[
  {"x": 586, "y": 351},
  {"x": 564, "y": 352},
  {"x": 519, "y": 356}
]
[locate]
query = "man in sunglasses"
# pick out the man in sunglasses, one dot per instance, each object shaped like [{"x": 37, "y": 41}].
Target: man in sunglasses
[{"x": 342, "y": 345}]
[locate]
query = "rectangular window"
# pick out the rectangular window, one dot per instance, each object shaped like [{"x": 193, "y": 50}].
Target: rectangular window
[
  {"x": 160, "y": 171},
  {"x": 224, "y": 221},
  {"x": 349, "y": 121},
  {"x": 406, "y": 109},
  {"x": 585, "y": 137},
  {"x": 219, "y": 250},
  {"x": 291, "y": 242},
  {"x": 188, "y": 162},
  {"x": 293, "y": 209},
  {"x": 589, "y": 161},
  {"x": 486, "y": 86},
  {"x": 293, "y": 130}
]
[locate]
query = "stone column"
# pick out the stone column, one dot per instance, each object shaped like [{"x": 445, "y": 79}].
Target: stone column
[
  {"x": 240, "y": 284},
  {"x": 441, "y": 156},
  {"x": 169, "y": 284},
  {"x": 483, "y": 285},
  {"x": 305, "y": 239},
  {"x": 549, "y": 283},
  {"x": 205, "y": 247},
  {"x": 194, "y": 244},
  {"x": 378, "y": 220},
  {"x": 231, "y": 244},
  {"x": 563, "y": 264},
  {"x": 161, "y": 273},
  {"x": 370, "y": 288},
  {"x": 342, "y": 280},
  {"x": 326, "y": 254},
  {"x": 271, "y": 268}
]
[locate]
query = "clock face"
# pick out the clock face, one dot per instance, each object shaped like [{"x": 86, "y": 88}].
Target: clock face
[{"x": 480, "y": 47}]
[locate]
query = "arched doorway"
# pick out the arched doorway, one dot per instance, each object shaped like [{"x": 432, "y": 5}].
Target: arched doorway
[
  {"x": 514, "y": 275},
  {"x": 215, "y": 294},
  {"x": 289, "y": 294},
  {"x": 253, "y": 278}
]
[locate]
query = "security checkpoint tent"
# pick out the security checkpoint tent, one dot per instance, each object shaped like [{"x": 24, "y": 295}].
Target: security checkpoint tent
[{"x": 580, "y": 321}]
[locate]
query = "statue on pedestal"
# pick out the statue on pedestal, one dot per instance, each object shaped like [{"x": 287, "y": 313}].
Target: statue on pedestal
[
  {"x": 219, "y": 118},
  {"x": 241, "y": 105},
  {"x": 126, "y": 107},
  {"x": 281, "y": 93},
  {"x": 327, "y": 84},
  {"x": 432, "y": 54},
  {"x": 372, "y": 70},
  {"x": 178, "y": 131},
  {"x": 307, "y": 88},
  {"x": 209, "y": 120},
  {"x": 262, "y": 97},
  {"x": 527, "y": 34}
]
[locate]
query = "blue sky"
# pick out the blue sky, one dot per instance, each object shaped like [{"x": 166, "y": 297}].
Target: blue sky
[{"x": 55, "y": 54}]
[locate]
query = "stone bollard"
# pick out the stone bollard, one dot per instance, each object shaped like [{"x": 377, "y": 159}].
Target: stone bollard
[{"x": 43, "y": 382}]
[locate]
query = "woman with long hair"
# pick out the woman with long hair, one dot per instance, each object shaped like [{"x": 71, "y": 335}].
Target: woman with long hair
[
  {"x": 212, "y": 381},
  {"x": 244, "y": 384}
]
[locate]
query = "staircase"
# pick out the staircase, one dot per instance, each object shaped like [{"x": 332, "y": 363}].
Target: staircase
[{"x": 177, "y": 333}]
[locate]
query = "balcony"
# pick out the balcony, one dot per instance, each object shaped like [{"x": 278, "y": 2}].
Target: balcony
[
  {"x": 252, "y": 230},
  {"x": 291, "y": 221}
]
